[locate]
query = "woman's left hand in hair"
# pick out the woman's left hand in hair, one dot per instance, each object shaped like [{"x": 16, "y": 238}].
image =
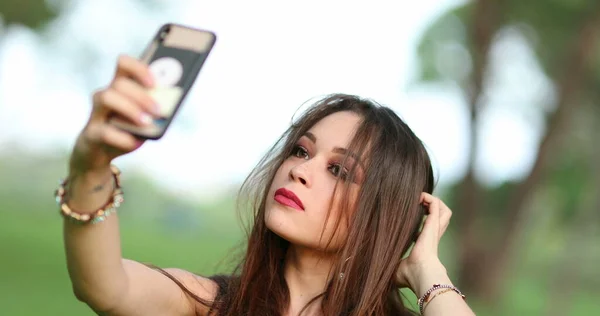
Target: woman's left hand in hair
[{"x": 422, "y": 268}]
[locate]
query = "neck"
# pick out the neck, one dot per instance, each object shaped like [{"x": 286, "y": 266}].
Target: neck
[{"x": 307, "y": 274}]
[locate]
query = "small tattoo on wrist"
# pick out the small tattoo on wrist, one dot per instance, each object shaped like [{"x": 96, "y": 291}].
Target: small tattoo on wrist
[
  {"x": 95, "y": 189},
  {"x": 102, "y": 185},
  {"x": 98, "y": 188}
]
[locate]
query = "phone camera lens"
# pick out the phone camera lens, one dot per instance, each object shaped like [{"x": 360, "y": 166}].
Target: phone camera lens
[{"x": 164, "y": 33}]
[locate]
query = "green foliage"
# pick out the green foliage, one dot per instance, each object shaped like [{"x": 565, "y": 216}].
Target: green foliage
[
  {"x": 550, "y": 27},
  {"x": 439, "y": 45},
  {"x": 553, "y": 24},
  {"x": 571, "y": 180},
  {"x": 495, "y": 202},
  {"x": 34, "y": 14}
]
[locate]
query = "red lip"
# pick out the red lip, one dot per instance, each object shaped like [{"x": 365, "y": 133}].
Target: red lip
[{"x": 288, "y": 198}]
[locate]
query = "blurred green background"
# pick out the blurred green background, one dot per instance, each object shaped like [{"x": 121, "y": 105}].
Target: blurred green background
[{"x": 523, "y": 247}]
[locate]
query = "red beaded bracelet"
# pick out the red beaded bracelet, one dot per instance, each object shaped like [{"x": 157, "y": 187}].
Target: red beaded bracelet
[
  {"x": 425, "y": 298},
  {"x": 100, "y": 214}
]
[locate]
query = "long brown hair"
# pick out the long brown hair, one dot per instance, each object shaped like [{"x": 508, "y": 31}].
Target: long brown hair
[{"x": 384, "y": 220}]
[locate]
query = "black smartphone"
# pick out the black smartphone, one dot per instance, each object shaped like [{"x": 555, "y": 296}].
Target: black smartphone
[{"x": 175, "y": 56}]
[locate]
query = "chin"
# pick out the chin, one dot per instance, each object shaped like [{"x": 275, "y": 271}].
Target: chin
[
  {"x": 284, "y": 224},
  {"x": 279, "y": 222}
]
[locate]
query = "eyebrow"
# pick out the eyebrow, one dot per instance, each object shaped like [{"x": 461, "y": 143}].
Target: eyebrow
[
  {"x": 337, "y": 150},
  {"x": 311, "y": 136}
]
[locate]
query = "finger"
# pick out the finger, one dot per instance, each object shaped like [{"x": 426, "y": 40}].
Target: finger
[
  {"x": 117, "y": 141},
  {"x": 431, "y": 228},
  {"x": 128, "y": 66},
  {"x": 424, "y": 207},
  {"x": 115, "y": 102},
  {"x": 445, "y": 215},
  {"x": 425, "y": 199},
  {"x": 137, "y": 94},
  {"x": 417, "y": 232}
]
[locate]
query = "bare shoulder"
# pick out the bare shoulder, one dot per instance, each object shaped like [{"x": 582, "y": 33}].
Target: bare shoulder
[{"x": 194, "y": 286}]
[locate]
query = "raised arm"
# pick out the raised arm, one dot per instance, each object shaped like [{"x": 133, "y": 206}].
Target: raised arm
[
  {"x": 422, "y": 270},
  {"x": 100, "y": 277}
]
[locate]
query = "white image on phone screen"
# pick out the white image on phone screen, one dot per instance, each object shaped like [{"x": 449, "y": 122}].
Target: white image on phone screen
[{"x": 167, "y": 72}]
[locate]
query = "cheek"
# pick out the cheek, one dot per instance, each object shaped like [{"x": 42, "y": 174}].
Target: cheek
[{"x": 280, "y": 176}]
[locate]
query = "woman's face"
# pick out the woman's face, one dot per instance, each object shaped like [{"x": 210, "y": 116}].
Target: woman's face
[{"x": 301, "y": 206}]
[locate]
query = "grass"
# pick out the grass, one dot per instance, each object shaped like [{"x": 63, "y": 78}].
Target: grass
[{"x": 34, "y": 278}]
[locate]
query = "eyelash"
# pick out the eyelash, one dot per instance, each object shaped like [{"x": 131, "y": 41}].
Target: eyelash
[{"x": 301, "y": 152}]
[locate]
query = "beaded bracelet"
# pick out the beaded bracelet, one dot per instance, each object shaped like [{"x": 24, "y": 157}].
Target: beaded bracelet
[
  {"x": 100, "y": 214},
  {"x": 427, "y": 296}
]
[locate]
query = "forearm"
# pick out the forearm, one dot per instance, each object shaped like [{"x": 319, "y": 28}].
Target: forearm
[
  {"x": 93, "y": 251},
  {"x": 449, "y": 303}
]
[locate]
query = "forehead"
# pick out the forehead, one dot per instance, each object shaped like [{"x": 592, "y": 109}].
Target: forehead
[{"x": 336, "y": 129}]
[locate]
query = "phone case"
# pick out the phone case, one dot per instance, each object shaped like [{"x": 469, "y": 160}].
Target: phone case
[{"x": 175, "y": 56}]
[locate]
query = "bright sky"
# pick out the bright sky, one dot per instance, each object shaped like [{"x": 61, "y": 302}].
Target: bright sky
[{"x": 270, "y": 57}]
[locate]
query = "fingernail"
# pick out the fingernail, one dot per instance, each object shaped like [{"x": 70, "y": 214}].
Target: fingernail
[
  {"x": 145, "y": 118},
  {"x": 138, "y": 143}
]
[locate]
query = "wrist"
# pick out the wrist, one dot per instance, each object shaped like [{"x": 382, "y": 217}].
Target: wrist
[
  {"x": 87, "y": 159},
  {"x": 83, "y": 184},
  {"x": 90, "y": 174},
  {"x": 88, "y": 177},
  {"x": 426, "y": 275}
]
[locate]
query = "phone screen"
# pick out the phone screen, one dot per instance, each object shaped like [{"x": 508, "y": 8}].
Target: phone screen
[{"x": 170, "y": 67}]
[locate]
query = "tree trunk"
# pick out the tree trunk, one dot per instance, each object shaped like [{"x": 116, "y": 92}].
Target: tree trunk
[{"x": 485, "y": 23}]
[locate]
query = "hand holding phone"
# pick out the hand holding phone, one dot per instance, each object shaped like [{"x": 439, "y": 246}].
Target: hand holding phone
[
  {"x": 142, "y": 98},
  {"x": 174, "y": 57}
]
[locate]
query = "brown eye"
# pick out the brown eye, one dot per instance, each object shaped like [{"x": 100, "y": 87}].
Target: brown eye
[
  {"x": 338, "y": 171},
  {"x": 300, "y": 152}
]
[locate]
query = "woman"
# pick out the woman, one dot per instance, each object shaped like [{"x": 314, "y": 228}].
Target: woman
[{"x": 337, "y": 203}]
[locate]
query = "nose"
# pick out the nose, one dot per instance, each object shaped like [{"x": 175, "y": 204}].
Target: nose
[{"x": 299, "y": 173}]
